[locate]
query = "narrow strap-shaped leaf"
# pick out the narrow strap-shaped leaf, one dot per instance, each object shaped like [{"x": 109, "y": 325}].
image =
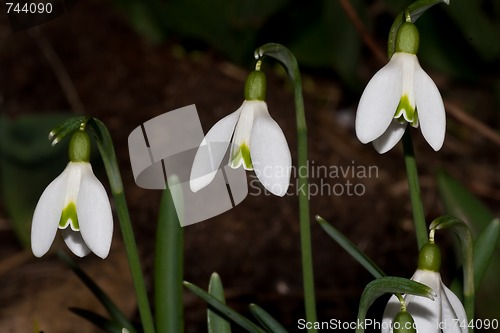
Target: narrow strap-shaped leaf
[
  {"x": 98, "y": 320},
  {"x": 266, "y": 320},
  {"x": 108, "y": 304},
  {"x": 108, "y": 155},
  {"x": 217, "y": 324},
  {"x": 169, "y": 257},
  {"x": 460, "y": 202},
  {"x": 391, "y": 285},
  {"x": 351, "y": 248},
  {"x": 484, "y": 249},
  {"x": 224, "y": 310},
  {"x": 107, "y": 151},
  {"x": 462, "y": 231}
]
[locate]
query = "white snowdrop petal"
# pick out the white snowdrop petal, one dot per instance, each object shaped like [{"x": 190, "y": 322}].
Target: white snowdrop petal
[
  {"x": 212, "y": 150},
  {"x": 452, "y": 309},
  {"x": 426, "y": 312},
  {"x": 391, "y": 310},
  {"x": 94, "y": 214},
  {"x": 430, "y": 109},
  {"x": 390, "y": 138},
  {"x": 47, "y": 215},
  {"x": 379, "y": 101},
  {"x": 75, "y": 242},
  {"x": 269, "y": 152}
]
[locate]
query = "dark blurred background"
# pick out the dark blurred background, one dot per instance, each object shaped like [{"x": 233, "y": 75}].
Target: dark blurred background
[{"x": 128, "y": 61}]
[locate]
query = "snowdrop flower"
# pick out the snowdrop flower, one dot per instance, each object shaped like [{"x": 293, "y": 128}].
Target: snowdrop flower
[
  {"x": 445, "y": 312},
  {"x": 257, "y": 143},
  {"x": 398, "y": 94},
  {"x": 77, "y": 203}
]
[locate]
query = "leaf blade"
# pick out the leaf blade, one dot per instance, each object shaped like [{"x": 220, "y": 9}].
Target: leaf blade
[{"x": 351, "y": 248}]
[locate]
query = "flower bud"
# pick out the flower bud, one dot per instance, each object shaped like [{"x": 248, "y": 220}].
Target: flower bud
[
  {"x": 429, "y": 258},
  {"x": 79, "y": 147},
  {"x": 404, "y": 323},
  {"x": 255, "y": 86},
  {"x": 407, "y": 38}
]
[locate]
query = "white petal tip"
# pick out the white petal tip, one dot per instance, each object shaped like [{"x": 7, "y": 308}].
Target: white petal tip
[
  {"x": 38, "y": 253},
  {"x": 199, "y": 183},
  {"x": 278, "y": 190}
]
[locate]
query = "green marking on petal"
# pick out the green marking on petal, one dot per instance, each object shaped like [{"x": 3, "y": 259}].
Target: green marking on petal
[
  {"x": 242, "y": 156},
  {"x": 69, "y": 218},
  {"x": 405, "y": 112}
]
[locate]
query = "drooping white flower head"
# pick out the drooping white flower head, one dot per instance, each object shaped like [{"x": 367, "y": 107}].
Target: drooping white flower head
[
  {"x": 257, "y": 143},
  {"x": 445, "y": 312},
  {"x": 77, "y": 203},
  {"x": 398, "y": 94}
]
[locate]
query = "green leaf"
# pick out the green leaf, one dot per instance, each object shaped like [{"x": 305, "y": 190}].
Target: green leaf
[
  {"x": 66, "y": 128},
  {"x": 478, "y": 25},
  {"x": 217, "y": 324},
  {"x": 169, "y": 259},
  {"x": 108, "y": 155},
  {"x": 266, "y": 320},
  {"x": 27, "y": 161},
  {"x": 462, "y": 231},
  {"x": 108, "y": 304},
  {"x": 330, "y": 40},
  {"x": 351, "y": 248},
  {"x": 460, "y": 202},
  {"x": 99, "y": 321},
  {"x": 391, "y": 285},
  {"x": 224, "y": 310},
  {"x": 229, "y": 27},
  {"x": 484, "y": 250}
]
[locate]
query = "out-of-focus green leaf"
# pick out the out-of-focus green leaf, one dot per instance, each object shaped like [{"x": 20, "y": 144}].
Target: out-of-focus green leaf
[
  {"x": 479, "y": 24},
  {"x": 224, "y": 310},
  {"x": 98, "y": 320},
  {"x": 108, "y": 304},
  {"x": 330, "y": 40},
  {"x": 460, "y": 202},
  {"x": 351, "y": 248},
  {"x": 231, "y": 27},
  {"x": 169, "y": 263},
  {"x": 266, "y": 320},
  {"x": 217, "y": 324},
  {"x": 27, "y": 165},
  {"x": 484, "y": 250},
  {"x": 391, "y": 285}
]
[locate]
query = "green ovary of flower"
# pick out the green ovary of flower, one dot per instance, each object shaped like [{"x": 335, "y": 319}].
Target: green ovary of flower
[
  {"x": 405, "y": 112},
  {"x": 68, "y": 216},
  {"x": 242, "y": 154}
]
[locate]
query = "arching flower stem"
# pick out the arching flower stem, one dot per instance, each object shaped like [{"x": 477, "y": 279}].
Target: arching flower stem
[{"x": 288, "y": 61}]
